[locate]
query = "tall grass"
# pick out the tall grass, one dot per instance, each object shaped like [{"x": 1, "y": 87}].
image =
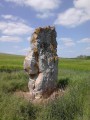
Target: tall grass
[
  {"x": 75, "y": 104},
  {"x": 15, "y": 81},
  {"x": 14, "y": 108},
  {"x": 73, "y": 78}
]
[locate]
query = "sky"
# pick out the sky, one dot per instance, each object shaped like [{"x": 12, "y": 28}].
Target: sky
[{"x": 71, "y": 18}]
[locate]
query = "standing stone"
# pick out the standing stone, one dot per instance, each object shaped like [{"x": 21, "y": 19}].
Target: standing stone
[{"x": 42, "y": 62}]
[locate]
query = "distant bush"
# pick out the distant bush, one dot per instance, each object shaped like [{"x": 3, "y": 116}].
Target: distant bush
[{"x": 83, "y": 57}]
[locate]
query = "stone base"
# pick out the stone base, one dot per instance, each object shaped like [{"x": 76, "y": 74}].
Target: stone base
[{"x": 40, "y": 100}]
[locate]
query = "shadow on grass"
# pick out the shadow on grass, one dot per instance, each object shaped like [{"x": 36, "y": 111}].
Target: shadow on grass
[{"x": 63, "y": 83}]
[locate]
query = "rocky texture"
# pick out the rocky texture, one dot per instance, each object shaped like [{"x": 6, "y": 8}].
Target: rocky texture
[{"x": 42, "y": 62}]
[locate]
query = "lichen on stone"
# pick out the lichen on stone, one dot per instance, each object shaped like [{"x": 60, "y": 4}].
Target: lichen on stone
[{"x": 43, "y": 62}]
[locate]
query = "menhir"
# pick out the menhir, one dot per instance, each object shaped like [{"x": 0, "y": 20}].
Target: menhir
[{"x": 42, "y": 62}]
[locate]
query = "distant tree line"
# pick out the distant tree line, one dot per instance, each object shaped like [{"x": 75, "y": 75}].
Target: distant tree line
[{"x": 83, "y": 57}]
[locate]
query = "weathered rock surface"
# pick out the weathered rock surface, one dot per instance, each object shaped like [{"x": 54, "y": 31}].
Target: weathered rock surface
[{"x": 42, "y": 62}]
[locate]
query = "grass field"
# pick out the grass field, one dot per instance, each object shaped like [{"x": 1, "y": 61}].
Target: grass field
[
  {"x": 73, "y": 77},
  {"x": 11, "y": 62}
]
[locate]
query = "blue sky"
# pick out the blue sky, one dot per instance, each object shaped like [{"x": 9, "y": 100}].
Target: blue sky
[{"x": 19, "y": 18}]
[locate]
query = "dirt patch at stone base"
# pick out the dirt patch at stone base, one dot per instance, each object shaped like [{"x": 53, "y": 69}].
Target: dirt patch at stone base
[{"x": 27, "y": 96}]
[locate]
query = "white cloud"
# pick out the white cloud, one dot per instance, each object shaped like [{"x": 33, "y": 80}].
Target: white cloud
[
  {"x": 14, "y": 28},
  {"x": 84, "y": 40},
  {"x": 70, "y": 51},
  {"x": 45, "y": 15},
  {"x": 26, "y": 49},
  {"x": 75, "y": 16},
  {"x": 82, "y": 4},
  {"x": 67, "y": 42},
  {"x": 38, "y": 5},
  {"x": 88, "y": 49},
  {"x": 11, "y": 17},
  {"x": 28, "y": 38},
  {"x": 13, "y": 25},
  {"x": 59, "y": 47},
  {"x": 43, "y": 7},
  {"x": 10, "y": 39},
  {"x": 16, "y": 46}
]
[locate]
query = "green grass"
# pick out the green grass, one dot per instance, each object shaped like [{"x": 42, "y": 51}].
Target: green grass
[
  {"x": 75, "y": 64},
  {"x": 11, "y": 62},
  {"x": 13, "y": 108},
  {"x": 73, "y": 77}
]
